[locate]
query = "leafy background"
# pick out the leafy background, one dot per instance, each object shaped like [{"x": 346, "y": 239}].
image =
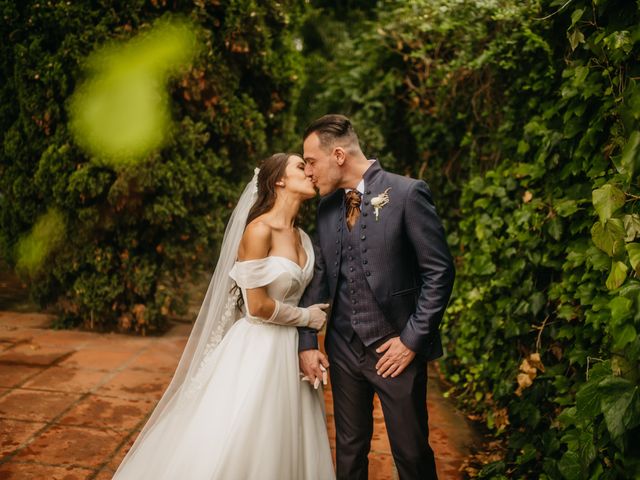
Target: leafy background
[
  {"x": 523, "y": 116},
  {"x": 137, "y": 234}
]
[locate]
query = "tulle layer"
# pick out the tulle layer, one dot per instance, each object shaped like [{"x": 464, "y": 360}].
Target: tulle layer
[{"x": 252, "y": 418}]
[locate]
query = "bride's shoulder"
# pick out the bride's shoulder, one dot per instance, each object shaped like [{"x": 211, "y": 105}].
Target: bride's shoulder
[
  {"x": 256, "y": 241},
  {"x": 258, "y": 229}
]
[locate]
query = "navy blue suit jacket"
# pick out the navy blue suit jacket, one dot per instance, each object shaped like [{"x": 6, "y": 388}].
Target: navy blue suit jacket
[{"x": 408, "y": 264}]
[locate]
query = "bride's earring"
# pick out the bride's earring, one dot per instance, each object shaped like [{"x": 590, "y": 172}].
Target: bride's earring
[{"x": 280, "y": 183}]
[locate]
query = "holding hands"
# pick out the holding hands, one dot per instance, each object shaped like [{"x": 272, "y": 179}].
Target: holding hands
[{"x": 314, "y": 364}]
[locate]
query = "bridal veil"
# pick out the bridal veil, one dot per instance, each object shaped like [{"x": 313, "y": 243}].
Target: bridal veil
[{"x": 216, "y": 316}]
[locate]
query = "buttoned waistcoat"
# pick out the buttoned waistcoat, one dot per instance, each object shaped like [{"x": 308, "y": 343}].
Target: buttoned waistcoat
[{"x": 405, "y": 259}]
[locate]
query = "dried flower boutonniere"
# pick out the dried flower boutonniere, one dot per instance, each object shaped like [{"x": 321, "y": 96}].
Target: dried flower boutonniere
[{"x": 380, "y": 201}]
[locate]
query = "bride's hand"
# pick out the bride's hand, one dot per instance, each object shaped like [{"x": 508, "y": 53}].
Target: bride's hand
[
  {"x": 317, "y": 315},
  {"x": 314, "y": 364}
]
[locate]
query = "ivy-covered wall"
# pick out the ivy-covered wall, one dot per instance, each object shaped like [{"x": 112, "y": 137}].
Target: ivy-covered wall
[
  {"x": 133, "y": 236},
  {"x": 524, "y": 117}
]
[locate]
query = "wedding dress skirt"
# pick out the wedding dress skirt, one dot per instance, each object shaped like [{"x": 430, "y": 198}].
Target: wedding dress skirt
[{"x": 249, "y": 416}]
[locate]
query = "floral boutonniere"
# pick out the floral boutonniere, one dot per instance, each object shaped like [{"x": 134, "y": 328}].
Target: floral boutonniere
[{"x": 380, "y": 201}]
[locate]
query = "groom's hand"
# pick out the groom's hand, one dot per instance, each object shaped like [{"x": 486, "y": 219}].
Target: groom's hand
[
  {"x": 314, "y": 364},
  {"x": 396, "y": 358}
]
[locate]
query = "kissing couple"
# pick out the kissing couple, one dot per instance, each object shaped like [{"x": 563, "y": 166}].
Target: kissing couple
[{"x": 244, "y": 402}]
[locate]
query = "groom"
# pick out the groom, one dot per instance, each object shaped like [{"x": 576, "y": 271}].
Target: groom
[{"x": 383, "y": 262}]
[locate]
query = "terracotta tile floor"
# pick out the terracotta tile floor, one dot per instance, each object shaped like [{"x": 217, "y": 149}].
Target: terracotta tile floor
[{"x": 72, "y": 403}]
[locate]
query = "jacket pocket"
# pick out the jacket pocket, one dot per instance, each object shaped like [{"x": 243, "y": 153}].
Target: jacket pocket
[{"x": 406, "y": 291}]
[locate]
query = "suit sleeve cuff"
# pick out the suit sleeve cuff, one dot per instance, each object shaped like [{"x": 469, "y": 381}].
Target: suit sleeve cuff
[
  {"x": 307, "y": 339},
  {"x": 410, "y": 341},
  {"x": 415, "y": 341}
]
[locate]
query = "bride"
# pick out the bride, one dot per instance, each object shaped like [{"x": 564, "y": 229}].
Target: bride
[{"x": 236, "y": 408}]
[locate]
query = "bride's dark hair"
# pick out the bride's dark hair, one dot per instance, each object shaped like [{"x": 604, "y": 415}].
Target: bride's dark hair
[{"x": 271, "y": 170}]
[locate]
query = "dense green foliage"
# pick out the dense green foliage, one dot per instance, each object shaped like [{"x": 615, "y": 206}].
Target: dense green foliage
[
  {"x": 524, "y": 118},
  {"x": 136, "y": 234}
]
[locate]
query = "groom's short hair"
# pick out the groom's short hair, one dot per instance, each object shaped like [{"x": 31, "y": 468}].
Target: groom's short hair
[{"x": 331, "y": 128}]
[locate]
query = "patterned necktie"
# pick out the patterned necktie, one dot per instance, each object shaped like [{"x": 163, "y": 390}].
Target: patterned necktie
[{"x": 353, "y": 208}]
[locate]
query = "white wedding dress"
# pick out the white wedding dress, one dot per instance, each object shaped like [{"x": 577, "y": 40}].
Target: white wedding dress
[{"x": 248, "y": 416}]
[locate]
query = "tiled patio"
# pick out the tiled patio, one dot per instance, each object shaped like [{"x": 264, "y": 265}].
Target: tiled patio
[{"x": 72, "y": 402}]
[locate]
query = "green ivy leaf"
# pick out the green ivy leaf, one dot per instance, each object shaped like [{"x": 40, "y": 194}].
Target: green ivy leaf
[
  {"x": 576, "y": 16},
  {"x": 618, "y": 274},
  {"x": 632, "y": 416},
  {"x": 568, "y": 416},
  {"x": 606, "y": 200},
  {"x": 617, "y": 396},
  {"x": 633, "y": 249},
  {"x": 631, "y": 227},
  {"x": 580, "y": 75},
  {"x": 571, "y": 438},
  {"x": 610, "y": 237},
  {"x": 620, "y": 308},
  {"x": 598, "y": 259},
  {"x": 630, "y": 290},
  {"x": 630, "y": 155},
  {"x": 569, "y": 466},
  {"x": 596, "y": 473},
  {"x": 599, "y": 371},
  {"x": 588, "y": 401},
  {"x": 538, "y": 301},
  {"x": 566, "y": 208},
  {"x": 482, "y": 265},
  {"x": 554, "y": 228},
  {"x": 623, "y": 336},
  {"x": 575, "y": 38},
  {"x": 587, "y": 451}
]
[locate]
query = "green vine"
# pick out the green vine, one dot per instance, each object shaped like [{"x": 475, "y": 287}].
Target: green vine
[
  {"x": 524, "y": 117},
  {"x": 128, "y": 239}
]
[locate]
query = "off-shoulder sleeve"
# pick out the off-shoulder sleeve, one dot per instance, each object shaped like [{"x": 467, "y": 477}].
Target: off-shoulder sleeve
[{"x": 254, "y": 273}]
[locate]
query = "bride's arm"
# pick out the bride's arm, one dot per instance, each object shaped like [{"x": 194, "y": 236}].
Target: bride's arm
[{"x": 255, "y": 245}]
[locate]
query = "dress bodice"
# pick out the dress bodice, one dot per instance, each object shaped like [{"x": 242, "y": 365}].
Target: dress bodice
[{"x": 285, "y": 279}]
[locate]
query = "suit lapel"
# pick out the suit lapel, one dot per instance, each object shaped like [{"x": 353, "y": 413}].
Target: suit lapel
[
  {"x": 374, "y": 186},
  {"x": 332, "y": 234},
  {"x": 374, "y": 233}
]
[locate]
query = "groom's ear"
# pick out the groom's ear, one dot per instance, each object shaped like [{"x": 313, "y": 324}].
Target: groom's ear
[{"x": 339, "y": 154}]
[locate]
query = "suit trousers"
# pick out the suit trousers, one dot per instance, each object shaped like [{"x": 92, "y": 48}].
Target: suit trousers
[{"x": 353, "y": 382}]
